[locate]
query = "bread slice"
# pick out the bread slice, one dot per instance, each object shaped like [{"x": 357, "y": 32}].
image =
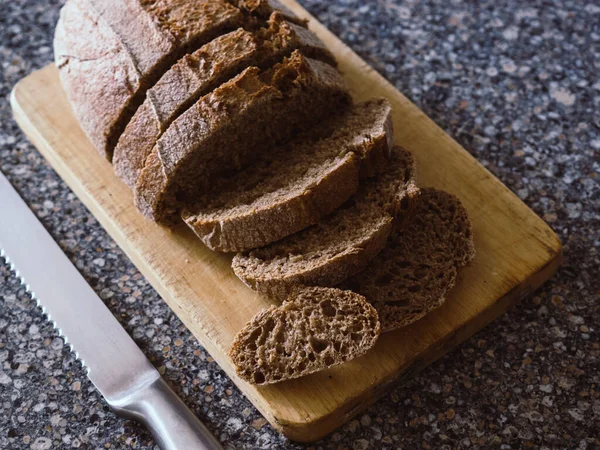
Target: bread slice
[
  {"x": 233, "y": 125},
  {"x": 110, "y": 52},
  {"x": 316, "y": 329},
  {"x": 296, "y": 186},
  {"x": 418, "y": 267},
  {"x": 341, "y": 244},
  {"x": 200, "y": 72}
]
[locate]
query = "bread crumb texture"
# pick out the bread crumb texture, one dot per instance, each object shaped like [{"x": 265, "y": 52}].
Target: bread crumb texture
[
  {"x": 316, "y": 329},
  {"x": 419, "y": 265}
]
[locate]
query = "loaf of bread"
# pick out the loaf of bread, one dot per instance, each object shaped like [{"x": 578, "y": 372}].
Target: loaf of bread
[
  {"x": 341, "y": 244},
  {"x": 315, "y": 329},
  {"x": 297, "y": 184},
  {"x": 231, "y": 115}
]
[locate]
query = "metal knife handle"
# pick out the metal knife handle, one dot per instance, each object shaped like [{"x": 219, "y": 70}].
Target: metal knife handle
[
  {"x": 116, "y": 365},
  {"x": 172, "y": 424}
]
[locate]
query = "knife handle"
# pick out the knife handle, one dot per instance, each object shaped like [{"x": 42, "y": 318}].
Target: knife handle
[{"x": 172, "y": 424}]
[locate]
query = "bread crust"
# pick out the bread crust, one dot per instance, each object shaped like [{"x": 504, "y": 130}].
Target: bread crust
[{"x": 96, "y": 72}]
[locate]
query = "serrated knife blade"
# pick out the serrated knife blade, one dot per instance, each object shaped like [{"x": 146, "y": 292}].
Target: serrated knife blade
[{"x": 114, "y": 363}]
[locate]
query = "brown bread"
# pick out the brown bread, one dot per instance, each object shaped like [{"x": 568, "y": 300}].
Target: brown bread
[
  {"x": 418, "y": 267},
  {"x": 297, "y": 185},
  {"x": 110, "y": 52},
  {"x": 229, "y": 128},
  {"x": 96, "y": 72},
  {"x": 200, "y": 72},
  {"x": 316, "y": 329},
  {"x": 339, "y": 246}
]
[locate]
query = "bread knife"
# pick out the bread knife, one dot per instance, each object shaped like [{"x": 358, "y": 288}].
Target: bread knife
[{"x": 116, "y": 366}]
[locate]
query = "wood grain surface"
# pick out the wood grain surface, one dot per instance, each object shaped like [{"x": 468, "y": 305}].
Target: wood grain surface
[{"x": 516, "y": 252}]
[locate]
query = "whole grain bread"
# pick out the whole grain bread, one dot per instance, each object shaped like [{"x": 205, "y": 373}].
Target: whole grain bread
[
  {"x": 339, "y": 246},
  {"x": 110, "y": 52},
  {"x": 418, "y": 267},
  {"x": 200, "y": 72},
  {"x": 230, "y": 127},
  {"x": 297, "y": 184},
  {"x": 316, "y": 329}
]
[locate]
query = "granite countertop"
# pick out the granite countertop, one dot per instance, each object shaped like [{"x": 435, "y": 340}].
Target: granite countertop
[{"x": 517, "y": 84}]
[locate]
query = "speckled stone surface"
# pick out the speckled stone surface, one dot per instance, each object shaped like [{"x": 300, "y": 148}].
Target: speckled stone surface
[{"x": 517, "y": 84}]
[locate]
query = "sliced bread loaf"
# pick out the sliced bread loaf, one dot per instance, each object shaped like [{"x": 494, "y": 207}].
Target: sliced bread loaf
[
  {"x": 316, "y": 329},
  {"x": 297, "y": 185},
  {"x": 413, "y": 274},
  {"x": 110, "y": 52},
  {"x": 232, "y": 126},
  {"x": 200, "y": 72},
  {"x": 341, "y": 244}
]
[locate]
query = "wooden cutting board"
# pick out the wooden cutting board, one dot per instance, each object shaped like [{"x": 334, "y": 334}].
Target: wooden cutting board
[{"x": 516, "y": 252}]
